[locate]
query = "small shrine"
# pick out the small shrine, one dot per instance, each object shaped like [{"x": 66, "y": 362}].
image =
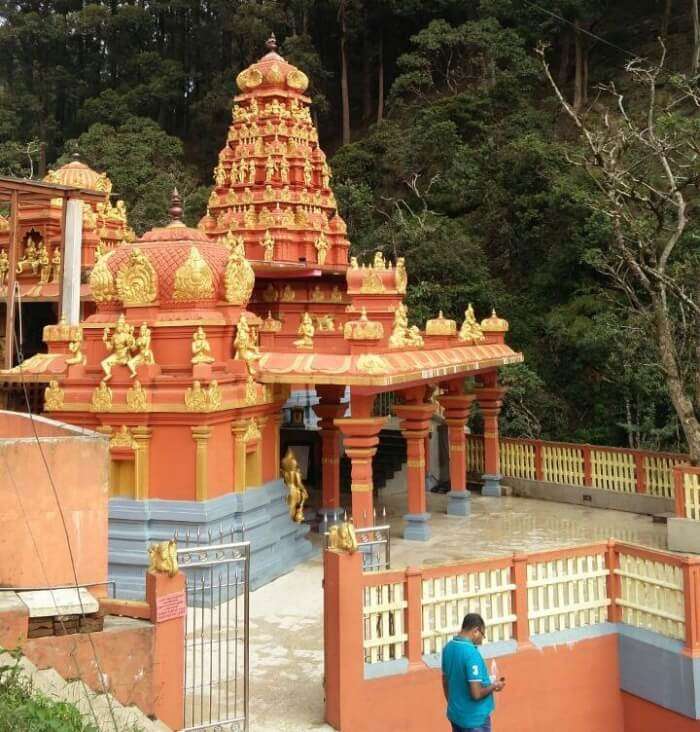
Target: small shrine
[
  {"x": 105, "y": 226},
  {"x": 199, "y": 334}
]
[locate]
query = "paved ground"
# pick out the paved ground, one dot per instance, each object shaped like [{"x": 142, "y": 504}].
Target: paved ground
[{"x": 286, "y": 625}]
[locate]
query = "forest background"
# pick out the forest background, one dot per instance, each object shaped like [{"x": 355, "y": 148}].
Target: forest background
[{"x": 447, "y": 147}]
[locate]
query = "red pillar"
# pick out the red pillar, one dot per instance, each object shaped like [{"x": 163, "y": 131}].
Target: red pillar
[
  {"x": 342, "y": 635},
  {"x": 328, "y": 410},
  {"x": 457, "y": 408},
  {"x": 490, "y": 399},
  {"x": 361, "y": 437},
  {"x": 168, "y": 646},
  {"x": 415, "y": 426}
]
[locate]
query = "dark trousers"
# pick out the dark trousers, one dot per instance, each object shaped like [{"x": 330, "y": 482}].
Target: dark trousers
[{"x": 485, "y": 727}]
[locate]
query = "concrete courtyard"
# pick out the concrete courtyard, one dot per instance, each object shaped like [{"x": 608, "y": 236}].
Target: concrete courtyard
[{"x": 286, "y": 628}]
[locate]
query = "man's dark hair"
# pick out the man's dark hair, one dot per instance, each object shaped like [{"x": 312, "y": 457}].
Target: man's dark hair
[{"x": 473, "y": 620}]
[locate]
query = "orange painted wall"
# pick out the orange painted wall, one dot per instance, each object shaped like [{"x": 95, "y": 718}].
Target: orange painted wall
[
  {"x": 643, "y": 716},
  {"x": 173, "y": 463},
  {"x": 78, "y": 465},
  {"x": 220, "y": 456},
  {"x": 125, "y": 654},
  {"x": 568, "y": 687}
]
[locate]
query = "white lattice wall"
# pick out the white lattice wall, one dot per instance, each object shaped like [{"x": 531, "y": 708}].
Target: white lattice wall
[
  {"x": 383, "y": 614},
  {"x": 567, "y": 593},
  {"x": 517, "y": 459},
  {"x": 562, "y": 464},
  {"x": 651, "y": 595},
  {"x": 446, "y": 600}
]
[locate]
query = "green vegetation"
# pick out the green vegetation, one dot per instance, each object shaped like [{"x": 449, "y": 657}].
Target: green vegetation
[
  {"x": 23, "y": 709},
  {"x": 450, "y": 148}
]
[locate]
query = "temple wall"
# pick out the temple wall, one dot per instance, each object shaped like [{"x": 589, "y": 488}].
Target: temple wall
[{"x": 33, "y": 547}]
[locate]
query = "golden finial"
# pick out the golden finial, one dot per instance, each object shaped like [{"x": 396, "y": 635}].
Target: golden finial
[{"x": 271, "y": 43}]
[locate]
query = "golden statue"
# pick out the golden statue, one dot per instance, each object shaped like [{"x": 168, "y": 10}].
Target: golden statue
[
  {"x": 269, "y": 246},
  {"x": 306, "y": 331},
  {"x": 244, "y": 343},
  {"x": 196, "y": 397},
  {"x": 269, "y": 169},
  {"x": 317, "y": 294},
  {"x": 470, "y": 330},
  {"x": 234, "y": 173},
  {"x": 298, "y": 495},
  {"x": 30, "y": 257},
  {"x": 341, "y": 537},
  {"x": 400, "y": 275},
  {"x": 288, "y": 294},
  {"x": 76, "y": 349},
  {"x": 162, "y": 558},
  {"x": 119, "y": 345},
  {"x": 353, "y": 263},
  {"x": 144, "y": 354},
  {"x": 102, "y": 398},
  {"x": 284, "y": 170},
  {"x": 379, "y": 261},
  {"x": 325, "y": 323},
  {"x": 321, "y": 245},
  {"x": 55, "y": 263},
  {"x": 136, "y": 398},
  {"x": 137, "y": 280},
  {"x": 44, "y": 265},
  {"x": 402, "y": 336},
  {"x": 4, "y": 267},
  {"x": 308, "y": 172},
  {"x": 220, "y": 175},
  {"x": 53, "y": 396},
  {"x": 239, "y": 277},
  {"x": 201, "y": 350}
]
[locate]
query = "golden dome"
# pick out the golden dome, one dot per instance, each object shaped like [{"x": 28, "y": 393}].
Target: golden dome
[
  {"x": 494, "y": 324},
  {"x": 272, "y": 71},
  {"x": 79, "y": 175}
]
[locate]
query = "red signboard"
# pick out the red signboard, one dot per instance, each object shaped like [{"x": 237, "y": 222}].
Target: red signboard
[{"x": 170, "y": 606}]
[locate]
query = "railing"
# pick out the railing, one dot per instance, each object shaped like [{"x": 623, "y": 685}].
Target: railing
[
  {"x": 687, "y": 484},
  {"x": 375, "y": 544},
  {"x": 609, "y": 468},
  {"x": 412, "y": 613}
]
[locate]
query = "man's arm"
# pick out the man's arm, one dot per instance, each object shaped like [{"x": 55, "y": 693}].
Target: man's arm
[
  {"x": 445, "y": 688},
  {"x": 478, "y": 691}
]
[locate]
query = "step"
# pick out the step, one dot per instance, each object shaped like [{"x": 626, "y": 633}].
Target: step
[{"x": 49, "y": 682}]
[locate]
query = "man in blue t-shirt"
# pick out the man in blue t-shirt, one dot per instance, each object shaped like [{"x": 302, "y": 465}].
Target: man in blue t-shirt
[{"x": 465, "y": 680}]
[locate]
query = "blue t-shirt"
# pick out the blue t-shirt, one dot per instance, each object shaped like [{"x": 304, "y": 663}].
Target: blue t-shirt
[{"x": 462, "y": 663}]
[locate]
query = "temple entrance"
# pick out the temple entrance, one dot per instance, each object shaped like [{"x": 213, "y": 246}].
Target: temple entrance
[{"x": 216, "y": 636}]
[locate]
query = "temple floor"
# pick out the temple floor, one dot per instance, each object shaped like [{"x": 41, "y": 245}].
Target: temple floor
[{"x": 286, "y": 631}]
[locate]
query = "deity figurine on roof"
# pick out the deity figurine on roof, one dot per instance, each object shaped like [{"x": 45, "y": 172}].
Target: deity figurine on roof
[{"x": 119, "y": 345}]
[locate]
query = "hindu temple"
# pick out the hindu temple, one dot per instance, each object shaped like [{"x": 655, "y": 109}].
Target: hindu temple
[{"x": 198, "y": 336}]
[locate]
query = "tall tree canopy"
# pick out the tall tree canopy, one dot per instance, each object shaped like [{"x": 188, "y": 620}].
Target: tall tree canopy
[{"x": 449, "y": 148}]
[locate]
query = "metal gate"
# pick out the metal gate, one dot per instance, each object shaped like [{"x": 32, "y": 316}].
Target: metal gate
[{"x": 216, "y": 636}]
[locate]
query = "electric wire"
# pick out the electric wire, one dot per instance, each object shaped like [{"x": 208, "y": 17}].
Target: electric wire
[{"x": 18, "y": 343}]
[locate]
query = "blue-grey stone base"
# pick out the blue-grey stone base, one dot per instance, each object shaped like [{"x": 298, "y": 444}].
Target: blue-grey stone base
[
  {"x": 492, "y": 485},
  {"x": 417, "y": 527},
  {"x": 458, "y": 503},
  {"x": 258, "y": 515}
]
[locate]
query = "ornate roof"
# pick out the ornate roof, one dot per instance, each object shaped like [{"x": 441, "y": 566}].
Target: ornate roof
[
  {"x": 272, "y": 181},
  {"x": 172, "y": 265},
  {"x": 79, "y": 175},
  {"x": 272, "y": 72}
]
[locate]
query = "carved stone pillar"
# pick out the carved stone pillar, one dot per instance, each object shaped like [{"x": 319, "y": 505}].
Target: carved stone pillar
[
  {"x": 457, "y": 408},
  {"x": 415, "y": 426},
  {"x": 361, "y": 437},
  {"x": 142, "y": 462},
  {"x": 490, "y": 400},
  {"x": 201, "y": 434}
]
